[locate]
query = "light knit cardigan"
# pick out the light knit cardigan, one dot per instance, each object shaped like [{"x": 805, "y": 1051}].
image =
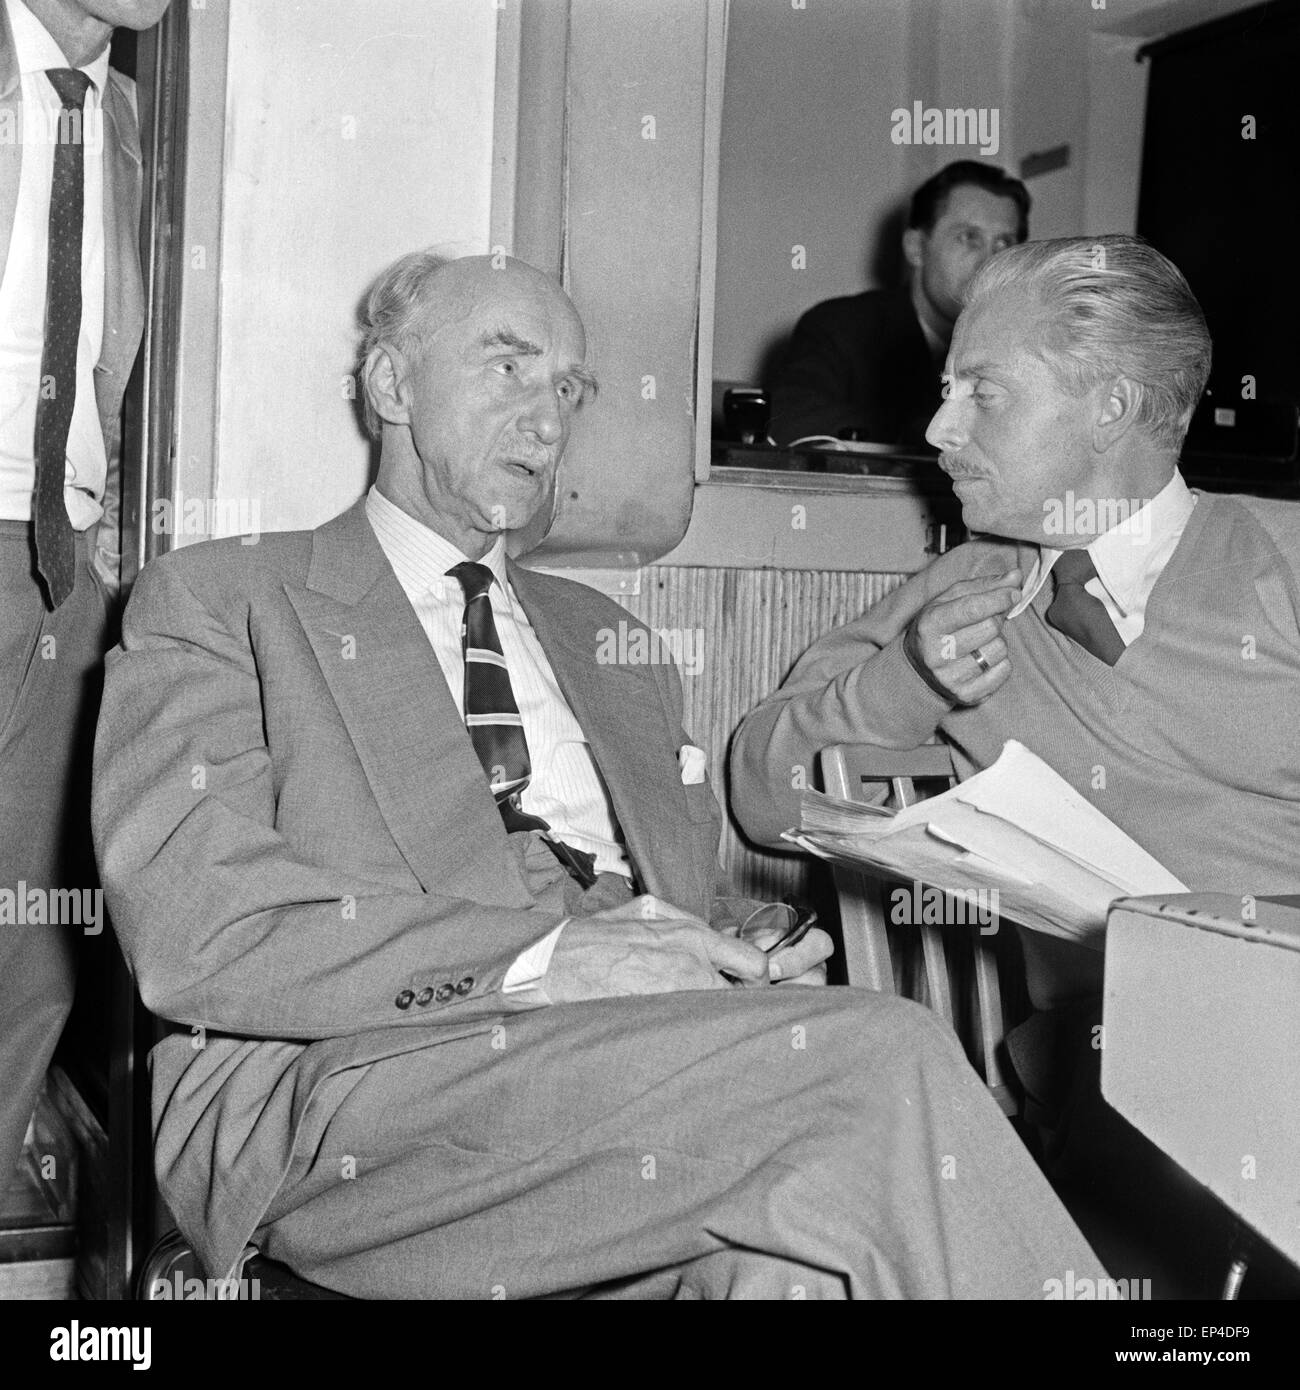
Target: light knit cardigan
[{"x": 1190, "y": 743}]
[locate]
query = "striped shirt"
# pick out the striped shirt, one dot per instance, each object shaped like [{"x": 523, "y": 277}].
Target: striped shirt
[{"x": 565, "y": 789}]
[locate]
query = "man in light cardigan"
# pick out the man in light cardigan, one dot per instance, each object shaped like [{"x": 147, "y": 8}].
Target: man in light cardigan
[{"x": 1141, "y": 638}]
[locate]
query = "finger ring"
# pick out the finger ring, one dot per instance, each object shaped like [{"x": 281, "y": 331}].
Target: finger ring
[{"x": 981, "y": 660}]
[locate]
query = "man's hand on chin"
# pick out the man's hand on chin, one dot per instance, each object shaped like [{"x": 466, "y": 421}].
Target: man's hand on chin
[{"x": 646, "y": 946}]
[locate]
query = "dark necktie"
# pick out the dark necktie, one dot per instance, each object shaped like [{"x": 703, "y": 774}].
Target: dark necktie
[
  {"x": 56, "y": 548},
  {"x": 1075, "y": 612},
  {"x": 495, "y": 726}
]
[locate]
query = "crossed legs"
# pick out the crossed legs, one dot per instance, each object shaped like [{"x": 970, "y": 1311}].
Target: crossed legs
[{"x": 835, "y": 1138}]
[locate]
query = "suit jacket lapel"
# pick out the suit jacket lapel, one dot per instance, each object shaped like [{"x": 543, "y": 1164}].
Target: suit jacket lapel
[
  {"x": 403, "y": 722},
  {"x": 622, "y": 714}
]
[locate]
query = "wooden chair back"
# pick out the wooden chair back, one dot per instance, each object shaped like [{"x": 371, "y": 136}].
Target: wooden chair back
[{"x": 951, "y": 967}]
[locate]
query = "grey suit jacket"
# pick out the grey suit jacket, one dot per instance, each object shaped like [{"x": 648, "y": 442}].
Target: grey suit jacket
[
  {"x": 293, "y": 829},
  {"x": 123, "y": 281}
]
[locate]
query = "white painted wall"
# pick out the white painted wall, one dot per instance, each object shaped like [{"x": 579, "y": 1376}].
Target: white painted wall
[
  {"x": 1117, "y": 84},
  {"x": 353, "y": 134},
  {"x": 806, "y": 160}
]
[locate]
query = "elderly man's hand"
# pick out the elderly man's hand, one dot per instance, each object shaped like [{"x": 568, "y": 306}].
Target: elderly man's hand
[
  {"x": 804, "y": 963},
  {"x": 646, "y": 946},
  {"x": 955, "y": 642}
]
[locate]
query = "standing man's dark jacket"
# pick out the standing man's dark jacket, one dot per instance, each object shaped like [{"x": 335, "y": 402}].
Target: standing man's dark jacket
[{"x": 859, "y": 363}]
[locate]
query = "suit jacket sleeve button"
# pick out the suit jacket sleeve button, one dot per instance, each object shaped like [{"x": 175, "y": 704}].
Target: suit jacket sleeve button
[
  {"x": 464, "y": 986},
  {"x": 444, "y": 993},
  {"x": 405, "y": 999},
  {"x": 424, "y": 996}
]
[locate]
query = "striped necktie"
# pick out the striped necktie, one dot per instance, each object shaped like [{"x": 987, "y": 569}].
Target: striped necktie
[
  {"x": 56, "y": 547},
  {"x": 1075, "y": 612},
  {"x": 495, "y": 725}
]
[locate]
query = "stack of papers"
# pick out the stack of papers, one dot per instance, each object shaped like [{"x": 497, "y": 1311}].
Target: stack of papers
[{"x": 1018, "y": 827}]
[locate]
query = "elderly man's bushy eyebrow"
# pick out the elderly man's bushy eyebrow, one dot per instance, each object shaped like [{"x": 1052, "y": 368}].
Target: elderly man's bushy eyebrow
[
  {"x": 508, "y": 338},
  {"x": 587, "y": 379}
]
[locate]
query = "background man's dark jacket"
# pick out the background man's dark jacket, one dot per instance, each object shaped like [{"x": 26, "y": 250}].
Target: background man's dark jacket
[{"x": 861, "y": 363}]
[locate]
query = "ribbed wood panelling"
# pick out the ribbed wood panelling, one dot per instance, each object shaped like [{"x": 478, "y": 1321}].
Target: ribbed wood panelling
[{"x": 755, "y": 624}]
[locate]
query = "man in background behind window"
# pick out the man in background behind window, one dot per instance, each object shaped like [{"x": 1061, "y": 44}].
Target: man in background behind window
[{"x": 867, "y": 366}]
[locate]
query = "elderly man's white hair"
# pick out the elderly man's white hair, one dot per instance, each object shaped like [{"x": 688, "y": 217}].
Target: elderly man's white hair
[
  {"x": 393, "y": 311},
  {"x": 1116, "y": 307}
]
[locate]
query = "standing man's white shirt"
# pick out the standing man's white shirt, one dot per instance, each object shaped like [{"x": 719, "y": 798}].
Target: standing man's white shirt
[
  {"x": 1128, "y": 558},
  {"x": 23, "y": 282}
]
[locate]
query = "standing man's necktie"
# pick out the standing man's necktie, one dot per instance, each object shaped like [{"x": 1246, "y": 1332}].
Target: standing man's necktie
[
  {"x": 1075, "y": 612},
  {"x": 496, "y": 728},
  {"x": 56, "y": 546}
]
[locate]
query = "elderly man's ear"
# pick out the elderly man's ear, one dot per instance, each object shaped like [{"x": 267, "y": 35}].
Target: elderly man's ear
[
  {"x": 1118, "y": 403},
  {"x": 385, "y": 380}
]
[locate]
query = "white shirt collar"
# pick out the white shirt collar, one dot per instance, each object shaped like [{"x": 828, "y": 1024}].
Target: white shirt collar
[
  {"x": 37, "y": 51},
  {"x": 420, "y": 557},
  {"x": 1126, "y": 555}
]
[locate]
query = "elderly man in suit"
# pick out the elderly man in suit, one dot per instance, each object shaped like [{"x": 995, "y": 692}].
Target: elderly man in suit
[
  {"x": 429, "y": 895},
  {"x": 71, "y": 316}
]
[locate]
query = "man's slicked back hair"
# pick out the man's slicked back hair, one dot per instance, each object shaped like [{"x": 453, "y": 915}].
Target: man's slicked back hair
[{"x": 1115, "y": 307}]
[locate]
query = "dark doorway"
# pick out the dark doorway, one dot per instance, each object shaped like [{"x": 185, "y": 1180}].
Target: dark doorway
[{"x": 1220, "y": 185}]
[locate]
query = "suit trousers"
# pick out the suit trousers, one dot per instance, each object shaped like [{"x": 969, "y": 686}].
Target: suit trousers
[
  {"x": 769, "y": 1142},
  {"x": 50, "y": 676}
]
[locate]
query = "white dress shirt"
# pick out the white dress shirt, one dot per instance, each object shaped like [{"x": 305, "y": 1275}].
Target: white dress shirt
[
  {"x": 565, "y": 789},
  {"x": 22, "y": 284},
  {"x": 1128, "y": 558}
]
